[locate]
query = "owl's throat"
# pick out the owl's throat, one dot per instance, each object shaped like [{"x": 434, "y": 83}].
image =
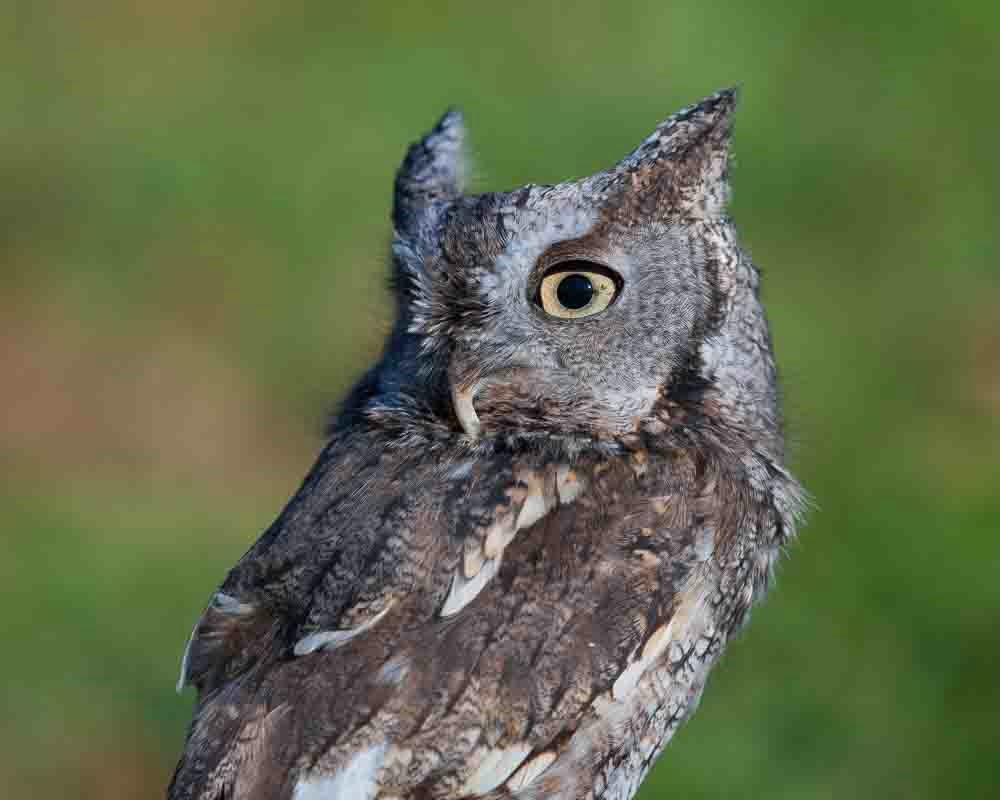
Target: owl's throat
[{"x": 533, "y": 402}]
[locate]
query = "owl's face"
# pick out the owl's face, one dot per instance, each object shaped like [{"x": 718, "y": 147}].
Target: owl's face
[
  {"x": 569, "y": 308},
  {"x": 568, "y": 316}
]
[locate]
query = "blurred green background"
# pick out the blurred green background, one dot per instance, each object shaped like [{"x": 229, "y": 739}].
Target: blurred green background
[{"x": 193, "y": 224}]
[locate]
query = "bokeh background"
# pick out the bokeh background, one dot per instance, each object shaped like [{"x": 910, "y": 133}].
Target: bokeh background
[{"x": 193, "y": 226}]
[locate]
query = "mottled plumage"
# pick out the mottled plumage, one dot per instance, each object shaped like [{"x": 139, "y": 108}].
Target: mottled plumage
[{"x": 534, "y": 526}]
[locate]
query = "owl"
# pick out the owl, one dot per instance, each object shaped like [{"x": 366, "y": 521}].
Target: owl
[{"x": 537, "y": 519}]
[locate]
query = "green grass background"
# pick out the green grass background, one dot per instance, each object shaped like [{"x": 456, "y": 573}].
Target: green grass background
[{"x": 193, "y": 223}]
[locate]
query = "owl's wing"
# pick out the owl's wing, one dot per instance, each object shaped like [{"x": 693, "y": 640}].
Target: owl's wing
[
  {"x": 369, "y": 524},
  {"x": 455, "y": 622}
]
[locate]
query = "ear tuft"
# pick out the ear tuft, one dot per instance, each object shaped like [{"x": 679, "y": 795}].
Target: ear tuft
[
  {"x": 433, "y": 170},
  {"x": 683, "y": 165}
]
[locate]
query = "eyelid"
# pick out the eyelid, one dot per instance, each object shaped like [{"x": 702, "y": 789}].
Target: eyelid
[
  {"x": 566, "y": 256},
  {"x": 577, "y": 264}
]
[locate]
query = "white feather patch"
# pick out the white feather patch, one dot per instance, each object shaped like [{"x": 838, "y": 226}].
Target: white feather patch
[
  {"x": 475, "y": 554},
  {"x": 536, "y": 505},
  {"x": 495, "y": 768},
  {"x": 568, "y": 484},
  {"x": 480, "y": 562},
  {"x": 531, "y": 770},
  {"x": 225, "y": 603},
  {"x": 459, "y": 471},
  {"x": 464, "y": 590},
  {"x": 182, "y": 679},
  {"x": 660, "y": 640},
  {"x": 335, "y": 638},
  {"x": 394, "y": 671},
  {"x": 356, "y": 780}
]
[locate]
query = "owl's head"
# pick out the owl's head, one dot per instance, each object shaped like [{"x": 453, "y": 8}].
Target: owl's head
[{"x": 577, "y": 309}]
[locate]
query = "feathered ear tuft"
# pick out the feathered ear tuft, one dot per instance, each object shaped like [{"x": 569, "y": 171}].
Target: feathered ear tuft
[
  {"x": 681, "y": 169},
  {"x": 433, "y": 170}
]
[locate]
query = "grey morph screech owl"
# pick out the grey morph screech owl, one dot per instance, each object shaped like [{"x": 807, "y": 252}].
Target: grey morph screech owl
[{"x": 538, "y": 518}]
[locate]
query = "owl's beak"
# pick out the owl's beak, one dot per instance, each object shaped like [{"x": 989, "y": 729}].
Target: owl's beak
[{"x": 461, "y": 398}]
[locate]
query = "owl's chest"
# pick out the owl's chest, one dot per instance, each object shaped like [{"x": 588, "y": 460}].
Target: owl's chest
[
  {"x": 728, "y": 572},
  {"x": 669, "y": 689},
  {"x": 564, "y": 641}
]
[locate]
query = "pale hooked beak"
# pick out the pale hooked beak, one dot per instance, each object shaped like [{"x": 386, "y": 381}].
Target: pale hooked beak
[{"x": 461, "y": 399}]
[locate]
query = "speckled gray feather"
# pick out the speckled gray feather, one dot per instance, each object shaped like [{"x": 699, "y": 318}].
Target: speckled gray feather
[{"x": 528, "y": 538}]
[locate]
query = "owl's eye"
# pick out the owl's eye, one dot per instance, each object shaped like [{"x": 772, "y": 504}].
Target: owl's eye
[{"x": 576, "y": 289}]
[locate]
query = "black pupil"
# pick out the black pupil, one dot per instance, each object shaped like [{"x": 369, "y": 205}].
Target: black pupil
[{"x": 575, "y": 291}]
